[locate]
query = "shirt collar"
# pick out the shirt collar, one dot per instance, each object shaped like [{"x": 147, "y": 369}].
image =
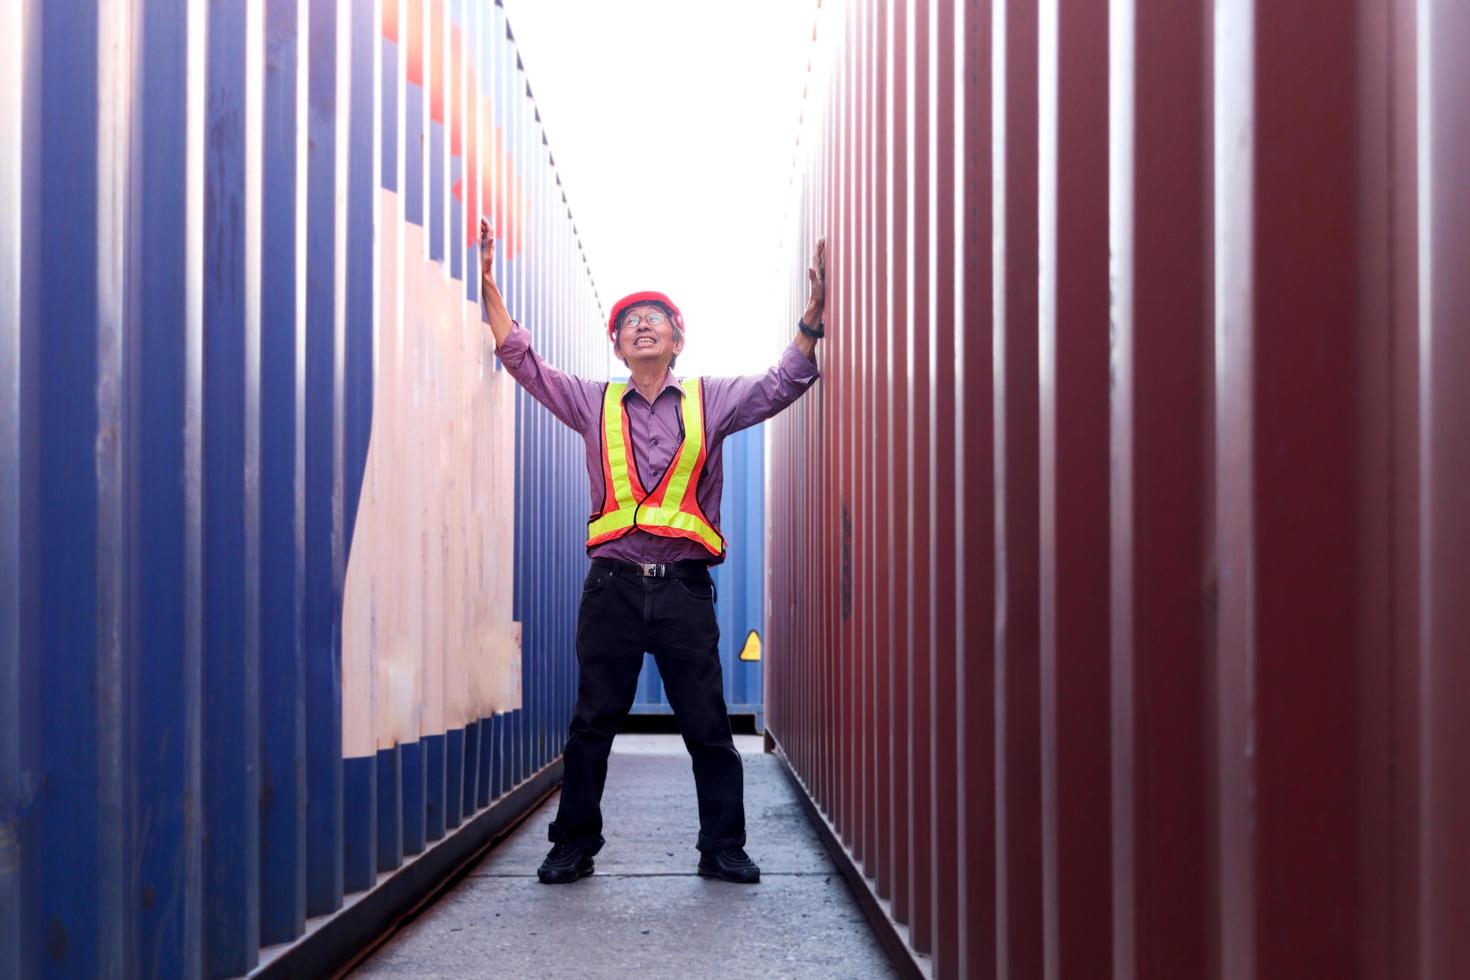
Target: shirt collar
[{"x": 669, "y": 382}]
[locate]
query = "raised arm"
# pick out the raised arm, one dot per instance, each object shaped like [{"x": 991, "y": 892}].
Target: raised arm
[
  {"x": 816, "y": 277},
  {"x": 738, "y": 403},
  {"x": 575, "y": 401},
  {"x": 490, "y": 299}
]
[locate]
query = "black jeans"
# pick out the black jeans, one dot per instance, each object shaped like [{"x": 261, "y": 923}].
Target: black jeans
[{"x": 622, "y": 616}]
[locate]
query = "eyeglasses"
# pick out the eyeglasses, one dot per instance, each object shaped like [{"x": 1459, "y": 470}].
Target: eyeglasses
[{"x": 652, "y": 319}]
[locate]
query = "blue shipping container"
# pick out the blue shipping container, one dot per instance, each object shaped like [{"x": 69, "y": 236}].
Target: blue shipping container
[{"x": 288, "y": 566}]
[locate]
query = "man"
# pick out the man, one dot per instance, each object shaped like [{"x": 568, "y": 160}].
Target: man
[{"x": 654, "y": 464}]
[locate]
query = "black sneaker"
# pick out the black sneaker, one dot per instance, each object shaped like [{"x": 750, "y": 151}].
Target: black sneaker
[
  {"x": 730, "y": 864},
  {"x": 564, "y": 863}
]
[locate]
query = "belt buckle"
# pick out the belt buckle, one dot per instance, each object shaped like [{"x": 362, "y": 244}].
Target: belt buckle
[{"x": 650, "y": 570}]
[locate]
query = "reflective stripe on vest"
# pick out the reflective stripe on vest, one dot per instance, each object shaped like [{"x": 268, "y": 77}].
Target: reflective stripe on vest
[{"x": 671, "y": 510}]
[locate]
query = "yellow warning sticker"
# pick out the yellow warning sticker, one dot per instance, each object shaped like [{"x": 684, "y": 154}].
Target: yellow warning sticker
[{"x": 752, "y": 648}]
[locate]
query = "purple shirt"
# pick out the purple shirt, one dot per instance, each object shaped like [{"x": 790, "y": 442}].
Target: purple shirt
[{"x": 730, "y": 404}]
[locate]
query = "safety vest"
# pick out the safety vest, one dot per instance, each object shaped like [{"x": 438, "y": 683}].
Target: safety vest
[{"x": 672, "y": 509}]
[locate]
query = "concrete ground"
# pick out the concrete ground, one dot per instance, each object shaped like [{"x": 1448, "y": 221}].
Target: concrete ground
[{"x": 645, "y": 913}]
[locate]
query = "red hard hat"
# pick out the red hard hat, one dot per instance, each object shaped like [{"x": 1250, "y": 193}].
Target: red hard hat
[{"x": 638, "y": 299}]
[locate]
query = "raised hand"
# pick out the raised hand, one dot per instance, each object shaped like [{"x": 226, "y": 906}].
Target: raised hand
[
  {"x": 487, "y": 252},
  {"x": 816, "y": 276},
  {"x": 811, "y": 326},
  {"x": 491, "y": 302}
]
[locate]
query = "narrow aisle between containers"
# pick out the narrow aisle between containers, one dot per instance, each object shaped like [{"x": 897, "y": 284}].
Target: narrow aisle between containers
[{"x": 645, "y": 912}]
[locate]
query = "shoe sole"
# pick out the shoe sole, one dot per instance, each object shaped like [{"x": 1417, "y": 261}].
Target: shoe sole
[
  {"x": 730, "y": 878},
  {"x": 547, "y": 879}
]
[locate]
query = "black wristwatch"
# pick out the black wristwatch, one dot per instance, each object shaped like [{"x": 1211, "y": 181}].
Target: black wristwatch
[{"x": 817, "y": 334}]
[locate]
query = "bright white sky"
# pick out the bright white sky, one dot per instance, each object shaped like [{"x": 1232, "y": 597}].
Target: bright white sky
[{"x": 674, "y": 124}]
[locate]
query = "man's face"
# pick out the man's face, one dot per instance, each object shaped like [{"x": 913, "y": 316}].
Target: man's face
[{"x": 646, "y": 334}]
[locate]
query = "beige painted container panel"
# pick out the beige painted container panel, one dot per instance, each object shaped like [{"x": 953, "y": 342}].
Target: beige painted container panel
[{"x": 428, "y": 639}]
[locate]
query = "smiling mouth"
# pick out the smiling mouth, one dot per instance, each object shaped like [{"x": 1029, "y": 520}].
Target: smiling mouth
[{"x": 644, "y": 342}]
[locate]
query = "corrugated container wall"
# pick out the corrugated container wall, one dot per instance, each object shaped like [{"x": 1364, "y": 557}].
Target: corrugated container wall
[
  {"x": 1119, "y": 567},
  {"x": 287, "y": 565}
]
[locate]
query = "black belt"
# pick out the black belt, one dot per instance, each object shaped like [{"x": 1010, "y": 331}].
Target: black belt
[{"x": 690, "y": 568}]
